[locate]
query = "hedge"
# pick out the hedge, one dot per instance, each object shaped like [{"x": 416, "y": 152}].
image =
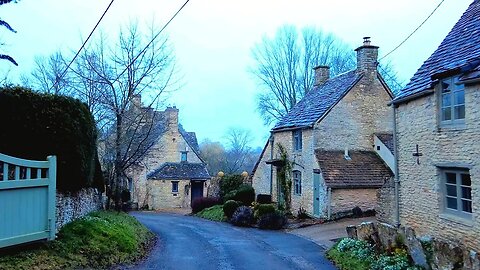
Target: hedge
[{"x": 37, "y": 125}]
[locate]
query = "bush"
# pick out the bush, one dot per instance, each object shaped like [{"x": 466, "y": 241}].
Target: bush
[
  {"x": 243, "y": 216},
  {"x": 272, "y": 221},
  {"x": 263, "y": 209},
  {"x": 245, "y": 194},
  {"x": 230, "y": 183},
  {"x": 264, "y": 198},
  {"x": 214, "y": 213},
  {"x": 230, "y": 196},
  {"x": 359, "y": 248},
  {"x": 393, "y": 262},
  {"x": 38, "y": 125},
  {"x": 201, "y": 203},
  {"x": 302, "y": 214},
  {"x": 229, "y": 207}
]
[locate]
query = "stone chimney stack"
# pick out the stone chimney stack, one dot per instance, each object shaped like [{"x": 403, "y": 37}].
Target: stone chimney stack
[
  {"x": 137, "y": 101},
  {"x": 171, "y": 118},
  {"x": 322, "y": 74},
  {"x": 367, "y": 56}
]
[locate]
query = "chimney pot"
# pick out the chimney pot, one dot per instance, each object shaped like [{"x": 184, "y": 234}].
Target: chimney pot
[{"x": 322, "y": 74}]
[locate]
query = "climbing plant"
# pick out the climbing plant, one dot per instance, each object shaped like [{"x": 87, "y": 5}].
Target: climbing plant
[{"x": 284, "y": 176}]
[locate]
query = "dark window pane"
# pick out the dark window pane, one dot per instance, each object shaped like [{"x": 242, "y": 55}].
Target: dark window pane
[
  {"x": 451, "y": 178},
  {"x": 452, "y": 190},
  {"x": 467, "y": 206},
  {"x": 459, "y": 97},
  {"x": 466, "y": 193},
  {"x": 445, "y": 86},
  {"x": 459, "y": 112},
  {"x": 446, "y": 100},
  {"x": 452, "y": 203},
  {"x": 446, "y": 114},
  {"x": 466, "y": 181}
]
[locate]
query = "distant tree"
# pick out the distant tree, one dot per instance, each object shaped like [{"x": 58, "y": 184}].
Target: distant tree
[
  {"x": 46, "y": 75},
  {"x": 284, "y": 66},
  {"x": 214, "y": 155},
  {"x": 6, "y": 25}
]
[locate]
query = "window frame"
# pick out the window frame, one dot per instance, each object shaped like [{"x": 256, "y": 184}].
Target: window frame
[
  {"x": 297, "y": 139},
  {"x": 297, "y": 182},
  {"x": 457, "y": 88},
  {"x": 459, "y": 196},
  {"x": 175, "y": 184},
  {"x": 184, "y": 153}
]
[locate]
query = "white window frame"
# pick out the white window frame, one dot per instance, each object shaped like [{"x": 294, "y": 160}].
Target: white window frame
[
  {"x": 175, "y": 183},
  {"x": 454, "y": 88},
  {"x": 297, "y": 140},
  {"x": 297, "y": 182},
  {"x": 459, "y": 197}
]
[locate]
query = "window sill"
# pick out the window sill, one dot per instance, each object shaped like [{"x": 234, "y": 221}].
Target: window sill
[
  {"x": 451, "y": 127},
  {"x": 457, "y": 219}
]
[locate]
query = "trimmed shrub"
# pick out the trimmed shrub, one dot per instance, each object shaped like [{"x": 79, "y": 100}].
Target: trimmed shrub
[
  {"x": 230, "y": 183},
  {"x": 272, "y": 221},
  {"x": 229, "y": 208},
  {"x": 245, "y": 194},
  {"x": 263, "y": 209},
  {"x": 264, "y": 198},
  {"x": 230, "y": 196},
  {"x": 38, "y": 125},
  {"x": 243, "y": 216},
  {"x": 201, "y": 203}
]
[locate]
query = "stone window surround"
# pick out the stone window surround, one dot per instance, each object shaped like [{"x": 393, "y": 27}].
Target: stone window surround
[
  {"x": 450, "y": 214},
  {"x": 297, "y": 181},
  {"x": 174, "y": 186},
  {"x": 455, "y": 124},
  {"x": 297, "y": 139}
]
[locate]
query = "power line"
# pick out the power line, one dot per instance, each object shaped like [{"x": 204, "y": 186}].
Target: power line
[
  {"x": 416, "y": 29},
  {"x": 81, "y": 48},
  {"x": 151, "y": 41}
]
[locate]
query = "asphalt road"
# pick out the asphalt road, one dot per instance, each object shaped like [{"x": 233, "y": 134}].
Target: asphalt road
[{"x": 186, "y": 242}]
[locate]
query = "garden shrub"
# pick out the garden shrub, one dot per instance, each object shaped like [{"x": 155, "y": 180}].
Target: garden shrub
[
  {"x": 397, "y": 261},
  {"x": 272, "y": 221},
  {"x": 245, "y": 194},
  {"x": 38, "y": 125},
  {"x": 243, "y": 216},
  {"x": 302, "y": 214},
  {"x": 359, "y": 248},
  {"x": 263, "y": 209},
  {"x": 230, "y": 183},
  {"x": 230, "y": 196},
  {"x": 264, "y": 198},
  {"x": 201, "y": 203},
  {"x": 229, "y": 207}
]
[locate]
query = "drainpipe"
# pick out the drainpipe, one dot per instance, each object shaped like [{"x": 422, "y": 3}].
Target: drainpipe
[
  {"x": 329, "y": 200},
  {"x": 271, "y": 141},
  {"x": 397, "y": 177}
]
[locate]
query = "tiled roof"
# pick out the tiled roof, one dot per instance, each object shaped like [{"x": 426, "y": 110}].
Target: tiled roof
[
  {"x": 190, "y": 138},
  {"x": 364, "y": 170},
  {"x": 180, "y": 171},
  {"x": 318, "y": 101},
  {"x": 387, "y": 139},
  {"x": 459, "y": 48}
]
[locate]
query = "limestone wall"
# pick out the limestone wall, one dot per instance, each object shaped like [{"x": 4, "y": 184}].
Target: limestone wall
[
  {"x": 162, "y": 197},
  {"x": 347, "y": 199},
  {"x": 421, "y": 198},
  {"x": 74, "y": 206},
  {"x": 261, "y": 176}
]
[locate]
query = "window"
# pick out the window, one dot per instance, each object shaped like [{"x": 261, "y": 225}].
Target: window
[
  {"x": 297, "y": 139},
  {"x": 452, "y": 102},
  {"x": 184, "y": 156},
  {"x": 297, "y": 180},
  {"x": 457, "y": 192},
  {"x": 174, "y": 186}
]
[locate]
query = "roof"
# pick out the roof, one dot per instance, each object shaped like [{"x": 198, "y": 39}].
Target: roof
[
  {"x": 365, "y": 169},
  {"x": 318, "y": 101},
  {"x": 191, "y": 139},
  {"x": 458, "y": 50},
  {"x": 387, "y": 139},
  {"x": 180, "y": 171}
]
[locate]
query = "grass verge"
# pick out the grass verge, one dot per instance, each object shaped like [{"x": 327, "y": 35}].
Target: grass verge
[
  {"x": 214, "y": 213},
  {"x": 99, "y": 240}
]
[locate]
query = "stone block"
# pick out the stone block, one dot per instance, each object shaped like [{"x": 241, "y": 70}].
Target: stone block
[
  {"x": 446, "y": 256},
  {"x": 414, "y": 247},
  {"x": 352, "y": 231},
  {"x": 368, "y": 231},
  {"x": 388, "y": 236}
]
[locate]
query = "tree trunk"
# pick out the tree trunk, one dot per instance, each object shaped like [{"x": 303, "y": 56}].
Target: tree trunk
[{"x": 117, "y": 185}]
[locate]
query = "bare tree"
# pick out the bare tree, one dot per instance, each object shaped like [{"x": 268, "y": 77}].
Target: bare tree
[
  {"x": 6, "y": 25},
  {"x": 113, "y": 78},
  {"x": 46, "y": 75},
  {"x": 214, "y": 155},
  {"x": 284, "y": 66}
]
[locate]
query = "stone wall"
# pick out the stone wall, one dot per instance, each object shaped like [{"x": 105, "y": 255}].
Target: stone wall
[
  {"x": 347, "y": 199},
  {"x": 162, "y": 197},
  {"x": 421, "y": 195},
  {"x": 385, "y": 210},
  {"x": 74, "y": 206}
]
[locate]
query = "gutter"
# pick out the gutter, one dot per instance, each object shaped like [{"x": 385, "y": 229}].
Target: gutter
[
  {"x": 271, "y": 141},
  {"x": 470, "y": 81},
  {"x": 396, "y": 176},
  {"x": 329, "y": 199}
]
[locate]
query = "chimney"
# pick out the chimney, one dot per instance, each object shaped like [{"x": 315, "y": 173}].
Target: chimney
[
  {"x": 322, "y": 74},
  {"x": 137, "y": 101},
  {"x": 367, "y": 56},
  {"x": 171, "y": 118}
]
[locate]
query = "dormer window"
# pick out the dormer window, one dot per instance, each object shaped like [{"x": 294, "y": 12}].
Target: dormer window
[
  {"x": 184, "y": 156},
  {"x": 452, "y": 102}
]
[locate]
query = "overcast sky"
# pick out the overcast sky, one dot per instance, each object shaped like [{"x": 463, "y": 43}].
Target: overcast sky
[{"x": 212, "y": 41}]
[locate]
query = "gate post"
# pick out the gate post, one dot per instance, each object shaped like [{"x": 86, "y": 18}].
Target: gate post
[{"x": 52, "y": 196}]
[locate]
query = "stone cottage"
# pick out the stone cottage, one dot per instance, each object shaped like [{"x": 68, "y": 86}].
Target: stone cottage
[
  {"x": 329, "y": 137},
  {"x": 172, "y": 173},
  {"x": 438, "y": 136}
]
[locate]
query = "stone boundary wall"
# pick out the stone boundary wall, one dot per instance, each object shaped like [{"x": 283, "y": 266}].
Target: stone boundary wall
[
  {"x": 428, "y": 252},
  {"x": 74, "y": 206}
]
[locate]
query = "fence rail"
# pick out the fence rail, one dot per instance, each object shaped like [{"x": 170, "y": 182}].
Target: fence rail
[{"x": 27, "y": 200}]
